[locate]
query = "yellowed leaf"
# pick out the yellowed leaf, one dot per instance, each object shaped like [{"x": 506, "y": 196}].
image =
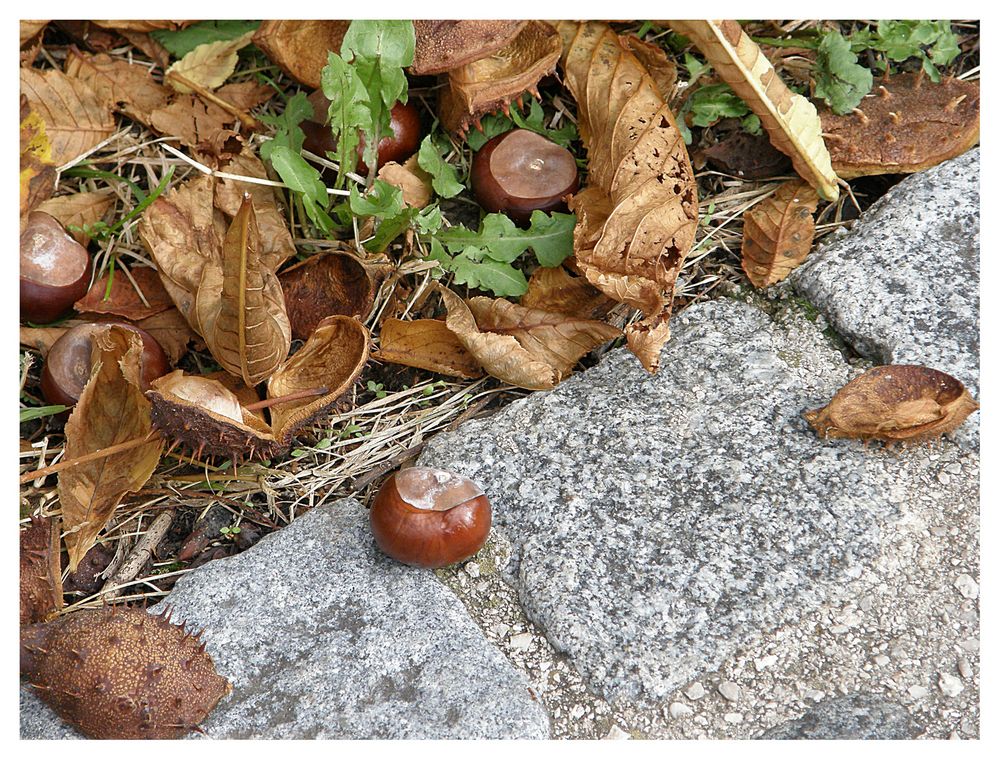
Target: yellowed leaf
[
  {"x": 208, "y": 65},
  {"x": 791, "y": 121},
  {"x": 426, "y": 344},
  {"x": 111, "y": 410},
  {"x": 79, "y": 210},
  {"x": 37, "y": 174},
  {"x": 778, "y": 233}
]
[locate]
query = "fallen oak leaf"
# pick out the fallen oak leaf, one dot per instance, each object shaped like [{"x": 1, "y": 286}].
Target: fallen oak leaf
[
  {"x": 790, "y": 120},
  {"x": 426, "y": 344},
  {"x": 529, "y": 348},
  {"x": 778, "y": 233},
  {"x": 123, "y": 299},
  {"x": 208, "y": 65},
  {"x": 112, "y": 410}
]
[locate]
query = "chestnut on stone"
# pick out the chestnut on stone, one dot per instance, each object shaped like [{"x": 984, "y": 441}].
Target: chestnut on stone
[
  {"x": 432, "y": 518},
  {"x": 67, "y": 365},
  {"x": 55, "y": 269},
  {"x": 520, "y": 171}
]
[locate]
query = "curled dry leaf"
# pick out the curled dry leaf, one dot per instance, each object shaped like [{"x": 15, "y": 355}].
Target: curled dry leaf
[
  {"x": 240, "y": 307},
  {"x": 747, "y": 156},
  {"x": 332, "y": 358},
  {"x": 791, "y": 121},
  {"x": 325, "y": 285},
  {"x": 445, "y": 45},
  {"x": 656, "y": 61},
  {"x": 778, "y": 233},
  {"x": 75, "y": 118},
  {"x": 124, "y": 299},
  {"x": 30, "y": 29},
  {"x": 905, "y": 124},
  {"x": 636, "y": 220},
  {"x": 37, "y": 173},
  {"x": 41, "y": 581},
  {"x": 121, "y": 86},
  {"x": 426, "y": 344},
  {"x": 529, "y": 348},
  {"x": 299, "y": 48},
  {"x": 171, "y": 331},
  {"x": 111, "y": 410},
  {"x": 491, "y": 83},
  {"x": 208, "y": 65},
  {"x": 555, "y": 289},
  {"x": 79, "y": 210},
  {"x": 411, "y": 179},
  {"x": 897, "y": 402}
]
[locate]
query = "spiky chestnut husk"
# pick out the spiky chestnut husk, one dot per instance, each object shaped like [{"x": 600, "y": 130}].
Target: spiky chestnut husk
[
  {"x": 122, "y": 673},
  {"x": 41, "y": 581}
]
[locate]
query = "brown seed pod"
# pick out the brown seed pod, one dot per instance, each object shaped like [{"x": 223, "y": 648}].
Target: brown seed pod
[
  {"x": 122, "y": 673},
  {"x": 324, "y": 285},
  {"x": 41, "y": 581},
  {"x": 430, "y": 518},
  {"x": 55, "y": 269},
  {"x": 445, "y": 45},
  {"x": 897, "y": 402}
]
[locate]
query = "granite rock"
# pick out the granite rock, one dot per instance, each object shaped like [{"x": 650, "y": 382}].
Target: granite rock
[
  {"x": 855, "y": 716},
  {"x": 902, "y": 286},
  {"x": 659, "y": 522},
  {"x": 322, "y": 636}
]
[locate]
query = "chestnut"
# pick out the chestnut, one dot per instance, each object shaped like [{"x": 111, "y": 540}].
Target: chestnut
[
  {"x": 55, "y": 269},
  {"x": 405, "y": 139},
  {"x": 520, "y": 171},
  {"x": 427, "y": 517},
  {"x": 67, "y": 365}
]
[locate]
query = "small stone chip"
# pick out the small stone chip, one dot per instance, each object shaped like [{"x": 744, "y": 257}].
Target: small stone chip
[
  {"x": 520, "y": 641},
  {"x": 763, "y": 663},
  {"x": 617, "y": 733},
  {"x": 881, "y": 660},
  {"x": 951, "y": 686},
  {"x": 733, "y": 717},
  {"x": 729, "y": 690},
  {"x": 679, "y": 710},
  {"x": 695, "y": 691},
  {"x": 964, "y": 668},
  {"x": 967, "y": 586},
  {"x": 917, "y": 692}
]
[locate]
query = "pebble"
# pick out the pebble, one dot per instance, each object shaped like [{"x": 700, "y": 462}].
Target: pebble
[
  {"x": 970, "y": 645},
  {"x": 617, "y": 733},
  {"x": 917, "y": 692},
  {"x": 964, "y": 668},
  {"x": 520, "y": 641},
  {"x": 881, "y": 660},
  {"x": 951, "y": 686},
  {"x": 762, "y": 663},
  {"x": 729, "y": 690},
  {"x": 733, "y": 717},
  {"x": 695, "y": 691},
  {"x": 472, "y": 568},
  {"x": 967, "y": 586},
  {"x": 680, "y": 710}
]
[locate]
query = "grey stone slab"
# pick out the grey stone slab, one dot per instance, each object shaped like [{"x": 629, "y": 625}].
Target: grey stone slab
[
  {"x": 322, "y": 636},
  {"x": 902, "y": 286},
  {"x": 855, "y": 716},
  {"x": 659, "y": 522}
]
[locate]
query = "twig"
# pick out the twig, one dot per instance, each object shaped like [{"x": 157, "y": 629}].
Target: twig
[
  {"x": 140, "y": 554},
  {"x": 99, "y": 454}
]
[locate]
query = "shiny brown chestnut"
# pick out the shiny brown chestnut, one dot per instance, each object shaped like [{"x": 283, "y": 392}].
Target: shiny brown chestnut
[
  {"x": 520, "y": 171},
  {"x": 67, "y": 365},
  {"x": 427, "y": 517},
  {"x": 405, "y": 139},
  {"x": 55, "y": 269}
]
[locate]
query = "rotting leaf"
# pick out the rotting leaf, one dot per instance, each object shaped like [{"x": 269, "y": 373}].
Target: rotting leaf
[
  {"x": 75, "y": 118},
  {"x": 208, "y": 65},
  {"x": 555, "y": 289},
  {"x": 325, "y": 285},
  {"x": 897, "y": 402},
  {"x": 37, "y": 173},
  {"x": 747, "y": 156},
  {"x": 332, "y": 358},
  {"x": 530, "y": 348},
  {"x": 446, "y": 45},
  {"x": 637, "y": 218},
  {"x": 123, "y": 299},
  {"x": 299, "y": 48},
  {"x": 112, "y": 410},
  {"x": 426, "y": 344},
  {"x": 240, "y": 307},
  {"x": 790, "y": 120},
  {"x": 778, "y": 233},
  {"x": 492, "y": 83},
  {"x": 79, "y": 210},
  {"x": 41, "y": 582},
  {"x": 905, "y": 124}
]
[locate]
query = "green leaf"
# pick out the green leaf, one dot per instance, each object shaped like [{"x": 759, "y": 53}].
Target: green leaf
[
  {"x": 751, "y": 124},
  {"x": 551, "y": 237},
  {"x": 444, "y": 177},
  {"x": 429, "y": 220},
  {"x": 533, "y": 119},
  {"x": 695, "y": 67},
  {"x": 382, "y": 201},
  {"x": 182, "y": 41},
  {"x": 299, "y": 174},
  {"x": 287, "y": 130},
  {"x": 713, "y": 102},
  {"x": 493, "y": 125},
  {"x": 349, "y": 112},
  {"x": 840, "y": 80},
  {"x": 36, "y": 412},
  {"x": 502, "y": 279}
]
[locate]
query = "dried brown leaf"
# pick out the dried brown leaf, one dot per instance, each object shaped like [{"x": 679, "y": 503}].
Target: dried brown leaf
[
  {"x": 905, "y": 124},
  {"x": 897, "y": 402},
  {"x": 41, "y": 581},
  {"x": 790, "y": 120},
  {"x": 325, "y": 285},
  {"x": 123, "y": 299},
  {"x": 655, "y": 60},
  {"x": 240, "y": 306},
  {"x": 30, "y": 29},
  {"x": 426, "y": 344},
  {"x": 207, "y": 126},
  {"x": 299, "y": 48},
  {"x": 529, "y": 348},
  {"x": 121, "y": 86},
  {"x": 332, "y": 358},
  {"x": 445, "y": 45},
  {"x": 778, "y": 233},
  {"x": 208, "y": 65},
  {"x": 171, "y": 331},
  {"x": 140, "y": 25},
  {"x": 149, "y": 46},
  {"x": 491, "y": 83},
  {"x": 636, "y": 220},
  {"x": 75, "y": 118},
  {"x": 41, "y": 338},
  {"x": 555, "y": 289},
  {"x": 111, "y": 410},
  {"x": 79, "y": 210},
  {"x": 747, "y": 156},
  {"x": 411, "y": 179}
]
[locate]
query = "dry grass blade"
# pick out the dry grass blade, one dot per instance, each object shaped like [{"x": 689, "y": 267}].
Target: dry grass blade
[{"x": 778, "y": 233}]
